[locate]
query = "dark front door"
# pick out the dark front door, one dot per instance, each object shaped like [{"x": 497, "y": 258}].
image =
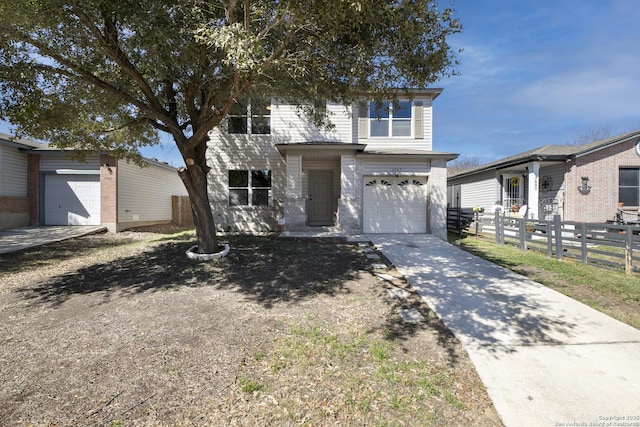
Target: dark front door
[{"x": 320, "y": 200}]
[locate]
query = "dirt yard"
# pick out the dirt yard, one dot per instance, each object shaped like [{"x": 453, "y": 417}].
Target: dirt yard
[{"x": 124, "y": 330}]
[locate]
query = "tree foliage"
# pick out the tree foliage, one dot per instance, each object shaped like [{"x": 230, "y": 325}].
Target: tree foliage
[{"x": 110, "y": 74}]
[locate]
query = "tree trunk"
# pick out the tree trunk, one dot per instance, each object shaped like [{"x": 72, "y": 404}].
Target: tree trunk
[{"x": 195, "y": 181}]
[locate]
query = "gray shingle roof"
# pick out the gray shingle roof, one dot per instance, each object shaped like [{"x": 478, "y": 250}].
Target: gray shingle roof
[{"x": 550, "y": 152}]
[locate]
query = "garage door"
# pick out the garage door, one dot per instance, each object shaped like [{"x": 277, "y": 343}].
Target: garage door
[
  {"x": 395, "y": 205},
  {"x": 72, "y": 200}
]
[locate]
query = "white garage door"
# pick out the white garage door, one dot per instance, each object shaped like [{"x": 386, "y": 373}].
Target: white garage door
[
  {"x": 395, "y": 205},
  {"x": 72, "y": 200}
]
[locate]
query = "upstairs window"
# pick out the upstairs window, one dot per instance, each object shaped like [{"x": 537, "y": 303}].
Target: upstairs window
[
  {"x": 388, "y": 120},
  {"x": 629, "y": 186},
  {"x": 249, "y": 188},
  {"x": 251, "y": 117}
]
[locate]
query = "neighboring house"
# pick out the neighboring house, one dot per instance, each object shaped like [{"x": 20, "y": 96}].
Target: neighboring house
[
  {"x": 372, "y": 172},
  {"x": 41, "y": 186},
  {"x": 581, "y": 183}
]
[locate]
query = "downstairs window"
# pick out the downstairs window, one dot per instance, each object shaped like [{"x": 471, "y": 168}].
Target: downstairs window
[{"x": 250, "y": 187}]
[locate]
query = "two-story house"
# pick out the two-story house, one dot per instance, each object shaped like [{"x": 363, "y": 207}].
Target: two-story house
[{"x": 374, "y": 171}]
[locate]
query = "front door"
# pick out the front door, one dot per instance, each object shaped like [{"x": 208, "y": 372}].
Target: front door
[
  {"x": 513, "y": 192},
  {"x": 320, "y": 199}
]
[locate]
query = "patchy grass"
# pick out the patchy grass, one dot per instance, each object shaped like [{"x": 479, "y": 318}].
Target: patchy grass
[
  {"x": 356, "y": 375},
  {"x": 125, "y": 330}
]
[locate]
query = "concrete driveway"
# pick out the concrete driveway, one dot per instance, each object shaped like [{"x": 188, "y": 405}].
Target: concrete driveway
[
  {"x": 545, "y": 359},
  {"x": 17, "y": 239}
]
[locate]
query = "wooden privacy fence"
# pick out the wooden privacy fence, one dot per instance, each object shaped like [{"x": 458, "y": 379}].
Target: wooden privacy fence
[
  {"x": 610, "y": 245},
  {"x": 181, "y": 211}
]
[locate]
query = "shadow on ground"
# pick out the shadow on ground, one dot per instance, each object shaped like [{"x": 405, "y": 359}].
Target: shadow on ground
[{"x": 265, "y": 269}]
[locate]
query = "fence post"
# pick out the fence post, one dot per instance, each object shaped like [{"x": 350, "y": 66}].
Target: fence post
[
  {"x": 523, "y": 233},
  {"x": 499, "y": 221},
  {"x": 628, "y": 251},
  {"x": 583, "y": 242},
  {"x": 557, "y": 229},
  {"x": 549, "y": 238}
]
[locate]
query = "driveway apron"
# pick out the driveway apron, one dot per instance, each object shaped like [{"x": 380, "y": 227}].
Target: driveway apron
[
  {"x": 545, "y": 359},
  {"x": 18, "y": 239}
]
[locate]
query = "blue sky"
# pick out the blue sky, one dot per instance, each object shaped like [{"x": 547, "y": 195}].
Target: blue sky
[
  {"x": 532, "y": 73},
  {"x": 539, "y": 72}
]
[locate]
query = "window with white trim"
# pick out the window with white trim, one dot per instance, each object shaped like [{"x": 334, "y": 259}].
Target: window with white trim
[
  {"x": 249, "y": 187},
  {"x": 389, "y": 120},
  {"x": 251, "y": 117}
]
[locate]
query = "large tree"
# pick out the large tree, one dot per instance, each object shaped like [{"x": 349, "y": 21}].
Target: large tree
[{"x": 108, "y": 75}]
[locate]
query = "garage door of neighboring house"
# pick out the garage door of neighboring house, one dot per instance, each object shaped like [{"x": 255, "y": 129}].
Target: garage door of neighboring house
[
  {"x": 72, "y": 200},
  {"x": 395, "y": 205}
]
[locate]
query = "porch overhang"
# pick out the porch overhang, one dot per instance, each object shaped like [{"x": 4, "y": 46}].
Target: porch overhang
[
  {"x": 406, "y": 154},
  {"x": 310, "y": 148}
]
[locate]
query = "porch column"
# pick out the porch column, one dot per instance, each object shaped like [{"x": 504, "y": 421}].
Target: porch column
[
  {"x": 295, "y": 215},
  {"x": 437, "y": 199},
  {"x": 349, "y": 202},
  {"x": 533, "y": 190}
]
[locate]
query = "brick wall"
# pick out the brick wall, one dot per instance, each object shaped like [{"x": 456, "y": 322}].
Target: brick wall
[
  {"x": 14, "y": 212},
  {"x": 109, "y": 192},
  {"x": 33, "y": 188},
  {"x": 601, "y": 167}
]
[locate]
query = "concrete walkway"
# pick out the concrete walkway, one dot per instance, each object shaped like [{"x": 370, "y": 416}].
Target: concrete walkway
[
  {"x": 17, "y": 239},
  {"x": 545, "y": 359}
]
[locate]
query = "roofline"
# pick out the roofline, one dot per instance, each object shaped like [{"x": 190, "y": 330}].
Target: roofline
[
  {"x": 25, "y": 143},
  {"x": 416, "y": 155},
  {"x": 318, "y": 146},
  {"x": 433, "y": 91},
  {"x": 513, "y": 162},
  {"x": 608, "y": 143},
  {"x": 36, "y": 147}
]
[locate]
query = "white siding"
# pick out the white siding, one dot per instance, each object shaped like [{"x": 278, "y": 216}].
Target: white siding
[
  {"x": 438, "y": 199},
  {"x": 478, "y": 193},
  {"x": 13, "y": 172},
  {"x": 290, "y": 126},
  {"x": 556, "y": 173},
  {"x": 552, "y": 200},
  {"x": 58, "y": 162},
  {"x": 242, "y": 152},
  {"x": 409, "y": 143},
  {"x": 392, "y": 167},
  {"x": 144, "y": 194},
  {"x": 427, "y": 123},
  {"x": 349, "y": 177}
]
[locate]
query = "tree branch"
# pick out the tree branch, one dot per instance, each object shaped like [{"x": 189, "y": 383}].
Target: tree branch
[{"x": 109, "y": 43}]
